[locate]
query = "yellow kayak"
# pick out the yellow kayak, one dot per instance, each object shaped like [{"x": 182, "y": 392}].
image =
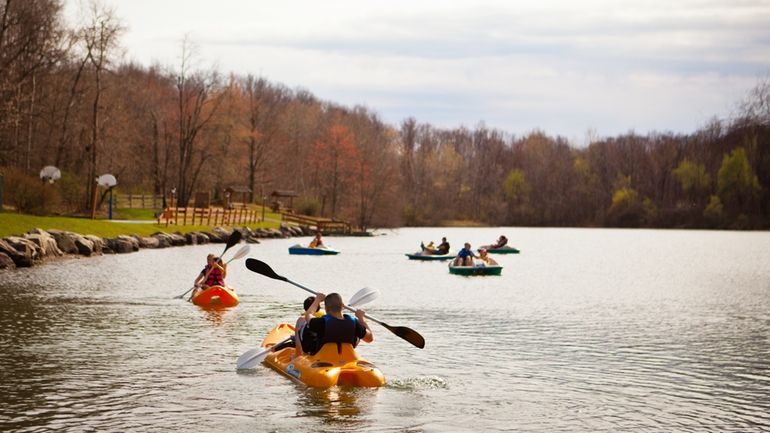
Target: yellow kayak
[{"x": 326, "y": 368}]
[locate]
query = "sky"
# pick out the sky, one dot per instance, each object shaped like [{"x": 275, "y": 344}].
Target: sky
[{"x": 562, "y": 66}]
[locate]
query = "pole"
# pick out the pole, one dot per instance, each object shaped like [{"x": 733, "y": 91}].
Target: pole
[
  {"x": 93, "y": 202},
  {"x": 110, "y": 212}
]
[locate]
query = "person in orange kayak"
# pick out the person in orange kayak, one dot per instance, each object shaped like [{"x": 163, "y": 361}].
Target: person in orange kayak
[
  {"x": 317, "y": 242},
  {"x": 213, "y": 274},
  {"x": 335, "y": 327}
]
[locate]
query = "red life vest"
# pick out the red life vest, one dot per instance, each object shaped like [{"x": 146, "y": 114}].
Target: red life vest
[{"x": 215, "y": 277}]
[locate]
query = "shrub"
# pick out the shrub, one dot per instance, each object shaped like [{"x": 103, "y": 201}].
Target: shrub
[{"x": 29, "y": 194}]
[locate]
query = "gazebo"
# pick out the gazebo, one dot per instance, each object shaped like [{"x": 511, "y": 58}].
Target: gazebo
[
  {"x": 231, "y": 192},
  {"x": 275, "y": 197}
]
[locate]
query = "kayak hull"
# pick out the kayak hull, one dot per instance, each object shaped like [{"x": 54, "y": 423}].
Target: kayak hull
[
  {"x": 427, "y": 257},
  {"x": 307, "y": 251},
  {"x": 216, "y": 297},
  {"x": 475, "y": 270},
  {"x": 327, "y": 368},
  {"x": 503, "y": 250}
]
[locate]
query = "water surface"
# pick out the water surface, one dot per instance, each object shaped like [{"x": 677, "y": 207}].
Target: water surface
[{"x": 586, "y": 330}]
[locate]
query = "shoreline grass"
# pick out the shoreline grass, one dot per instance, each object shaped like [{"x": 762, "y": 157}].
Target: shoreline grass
[{"x": 14, "y": 224}]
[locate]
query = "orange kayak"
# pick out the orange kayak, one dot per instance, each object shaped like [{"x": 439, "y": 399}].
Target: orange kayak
[
  {"x": 326, "y": 368},
  {"x": 216, "y": 297}
]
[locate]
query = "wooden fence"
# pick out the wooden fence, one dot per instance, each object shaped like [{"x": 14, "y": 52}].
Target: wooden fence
[
  {"x": 215, "y": 216},
  {"x": 138, "y": 201}
]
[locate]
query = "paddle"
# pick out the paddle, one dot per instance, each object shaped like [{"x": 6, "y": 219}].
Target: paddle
[
  {"x": 252, "y": 358},
  {"x": 407, "y": 334},
  {"x": 242, "y": 252},
  {"x": 234, "y": 238}
]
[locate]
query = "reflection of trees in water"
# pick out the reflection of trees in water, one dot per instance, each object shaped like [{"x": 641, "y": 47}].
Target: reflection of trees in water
[{"x": 342, "y": 408}]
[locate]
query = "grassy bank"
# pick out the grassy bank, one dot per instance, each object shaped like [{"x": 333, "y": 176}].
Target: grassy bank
[{"x": 13, "y": 224}]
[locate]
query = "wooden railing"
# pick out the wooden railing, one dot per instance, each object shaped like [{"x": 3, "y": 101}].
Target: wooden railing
[
  {"x": 325, "y": 225},
  {"x": 208, "y": 216}
]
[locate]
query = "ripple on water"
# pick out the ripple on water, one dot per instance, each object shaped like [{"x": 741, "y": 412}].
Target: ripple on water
[{"x": 418, "y": 383}]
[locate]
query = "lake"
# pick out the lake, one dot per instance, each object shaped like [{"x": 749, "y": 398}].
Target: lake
[{"x": 585, "y": 330}]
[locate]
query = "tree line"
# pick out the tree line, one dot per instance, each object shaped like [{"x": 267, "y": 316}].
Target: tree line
[{"x": 66, "y": 99}]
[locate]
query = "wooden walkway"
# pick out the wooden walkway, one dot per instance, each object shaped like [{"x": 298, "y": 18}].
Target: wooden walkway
[{"x": 324, "y": 225}]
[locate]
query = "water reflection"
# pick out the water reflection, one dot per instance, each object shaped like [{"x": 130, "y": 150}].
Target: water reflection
[{"x": 337, "y": 408}]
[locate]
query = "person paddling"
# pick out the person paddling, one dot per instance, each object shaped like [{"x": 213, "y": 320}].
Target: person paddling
[
  {"x": 213, "y": 274},
  {"x": 465, "y": 256},
  {"x": 317, "y": 242},
  {"x": 335, "y": 327}
]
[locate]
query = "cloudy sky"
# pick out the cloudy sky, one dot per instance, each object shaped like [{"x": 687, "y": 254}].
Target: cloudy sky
[{"x": 558, "y": 65}]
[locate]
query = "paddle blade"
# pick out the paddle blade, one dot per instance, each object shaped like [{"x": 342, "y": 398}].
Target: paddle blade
[
  {"x": 252, "y": 358},
  {"x": 235, "y": 237},
  {"x": 263, "y": 268},
  {"x": 407, "y": 334},
  {"x": 363, "y": 297}
]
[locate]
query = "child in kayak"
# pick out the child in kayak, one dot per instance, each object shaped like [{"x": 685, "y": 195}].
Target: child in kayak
[
  {"x": 213, "y": 274},
  {"x": 335, "y": 327},
  {"x": 485, "y": 259},
  {"x": 443, "y": 248}
]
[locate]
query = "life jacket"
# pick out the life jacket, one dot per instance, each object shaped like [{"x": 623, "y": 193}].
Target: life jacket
[
  {"x": 215, "y": 277},
  {"x": 339, "y": 331}
]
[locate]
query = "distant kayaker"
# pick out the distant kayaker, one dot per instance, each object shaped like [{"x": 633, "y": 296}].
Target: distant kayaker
[
  {"x": 465, "y": 256},
  {"x": 335, "y": 327},
  {"x": 501, "y": 242},
  {"x": 213, "y": 274},
  {"x": 443, "y": 248},
  {"x": 484, "y": 257},
  {"x": 317, "y": 242}
]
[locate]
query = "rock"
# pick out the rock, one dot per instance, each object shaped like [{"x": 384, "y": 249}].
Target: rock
[
  {"x": 164, "y": 240},
  {"x": 65, "y": 241},
  {"x": 85, "y": 246},
  {"x": 178, "y": 240},
  {"x": 45, "y": 241},
  {"x": 6, "y": 262},
  {"x": 132, "y": 240},
  {"x": 191, "y": 238},
  {"x": 203, "y": 238},
  {"x": 121, "y": 245},
  {"x": 97, "y": 242},
  {"x": 148, "y": 242},
  {"x": 10, "y": 251},
  {"x": 28, "y": 251}
]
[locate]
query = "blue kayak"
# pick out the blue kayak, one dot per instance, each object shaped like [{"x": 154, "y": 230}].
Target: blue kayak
[{"x": 307, "y": 251}]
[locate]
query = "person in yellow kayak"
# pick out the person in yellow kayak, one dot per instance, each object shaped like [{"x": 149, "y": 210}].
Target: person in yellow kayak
[
  {"x": 335, "y": 327},
  {"x": 317, "y": 242},
  {"x": 213, "y": 274}
]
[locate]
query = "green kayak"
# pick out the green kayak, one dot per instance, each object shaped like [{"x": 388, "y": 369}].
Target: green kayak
[
  {"x": 429, "y": 257},
  {"x": 475, "y": 270},
  {"x": 502, "y": 250}
]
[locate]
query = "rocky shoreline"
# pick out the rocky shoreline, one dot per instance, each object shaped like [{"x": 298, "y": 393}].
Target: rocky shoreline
[{"x": 38, "y": 245}]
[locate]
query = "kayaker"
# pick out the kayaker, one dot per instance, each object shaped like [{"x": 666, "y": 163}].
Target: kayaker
[
  {"x": 317, "y": 242},
  {"x": 335, "y": 327},
  {"x": 443, "y": 248},
  {"x": 213, "y": 274},
  {"x": 483, "y": 256},
  {"x": 501, "y": 242},
  {"x": 306, "y": 337},
  {"x": 465, "y": 256}
]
